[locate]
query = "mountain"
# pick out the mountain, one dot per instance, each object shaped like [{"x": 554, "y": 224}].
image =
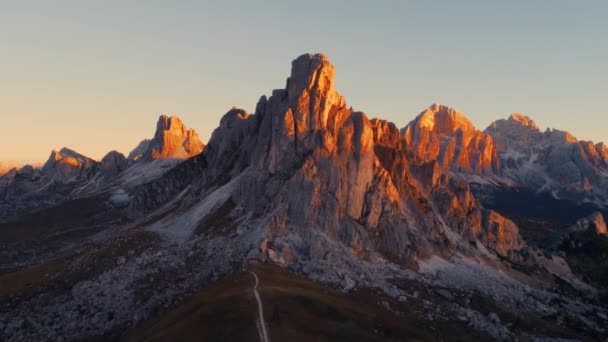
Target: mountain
[
  {"x": 68, "y": 175},
  {"x": 512, "y": 154},
  {"x": 551, "y": 161},
  {"x": 172, "y": 139},
  {"x": 30, "y": 189},
  {"x": 67, "y": 165},
  {"x": 5, "y": 167},
  {"x": 304, "y": 220},
  {"x": 446, "y": 135},
  {"x": 113, "y": 163}
]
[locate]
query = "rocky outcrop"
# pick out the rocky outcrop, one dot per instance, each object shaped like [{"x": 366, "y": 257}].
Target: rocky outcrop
[
  {"x": 594, "y": 223},
  {"x": 446, "y": 135},
  {"x": 172, "y": 139}
]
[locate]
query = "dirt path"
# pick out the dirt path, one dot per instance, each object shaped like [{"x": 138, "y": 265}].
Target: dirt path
[{"x": 261, "y": 323}]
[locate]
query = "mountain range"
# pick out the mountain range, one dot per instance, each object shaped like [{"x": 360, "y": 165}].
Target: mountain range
[{"x": 446, "y": 231}]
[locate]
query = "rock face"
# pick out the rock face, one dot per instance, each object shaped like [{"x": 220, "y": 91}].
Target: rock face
[
  {"x": 171, "y": 140},
  {"x": 552, "y": 160},
  {"x": 310, "y": 166},
  {"x": 446, "y": 135}
]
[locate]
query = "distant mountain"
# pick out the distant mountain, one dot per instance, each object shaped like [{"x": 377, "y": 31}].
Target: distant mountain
[
  {"x": 68, "y": 175},
  {"x": 446, "y": 135},
  {"x": 512, "y": 153},
  {"x": 172, "y": 139},
  {"x": 6, "y": 166},
  {"x": 552, "y": 161},
  {"x": 67, "y": 165}
]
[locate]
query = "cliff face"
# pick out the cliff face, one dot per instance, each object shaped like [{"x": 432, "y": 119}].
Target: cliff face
[
  {"x": 311, "y": 166},
  {"x": 446, "y": 135}
]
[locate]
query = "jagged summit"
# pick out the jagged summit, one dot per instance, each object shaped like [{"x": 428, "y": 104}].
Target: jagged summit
[
  {"x": 114, "y": 162},
  {"x": 553, "y": 159},
  {"x": 443, "y": 119},
  {"x": 523, "y": 120},
  {"x": 172, "y": 139},
  {"x": 311, "y": 92},
  {"x": 67, "y": 165},
  {"x": 67, "y": 152},
  {"x": 66, "y": 156},
  {"x": 444, "y": 134},
  {"x": 306, "y": 160},
  {"x": 311, "y": 71}
]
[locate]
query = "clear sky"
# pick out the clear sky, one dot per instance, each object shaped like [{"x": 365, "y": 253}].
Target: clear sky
[{"x": 95, "y": 75}]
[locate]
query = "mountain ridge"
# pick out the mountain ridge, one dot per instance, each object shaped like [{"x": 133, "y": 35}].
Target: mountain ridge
[{"x": 313, "y": 187}]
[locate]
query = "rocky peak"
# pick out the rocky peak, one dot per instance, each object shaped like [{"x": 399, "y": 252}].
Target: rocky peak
[
  {"x": 6, "y": 167},
  {"x": 444, "y": 120},
  {"x": 444, "y": 134},
  {"x": 516, "y": 130},
  {"x": 68, "y": 165},
  {"x": 309, "y": 72},
  {"x": 307, "y": 160},
  {"x": 311, "y": 91},
  {"x": 551, "y": 160},
  {"x": 171, "y": 124},
  {"x": 523, "y": 120},
  {"x": 172, "y": 139},
  {"x": 113, "y": 163},
  {"x": 516, "y": 126},
  {"x": 68, "y": 157}
]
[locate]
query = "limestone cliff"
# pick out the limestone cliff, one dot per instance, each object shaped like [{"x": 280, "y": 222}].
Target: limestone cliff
[
  {"x": 446, "y": 135},
  {"x": 310, "y": 166}
]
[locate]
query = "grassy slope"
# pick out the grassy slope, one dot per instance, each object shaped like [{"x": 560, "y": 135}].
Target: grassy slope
[{"x": 296, "y": 309}]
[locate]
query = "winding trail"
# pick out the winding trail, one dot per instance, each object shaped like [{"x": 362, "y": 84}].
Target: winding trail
[{"x": 261, "y": 323}]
